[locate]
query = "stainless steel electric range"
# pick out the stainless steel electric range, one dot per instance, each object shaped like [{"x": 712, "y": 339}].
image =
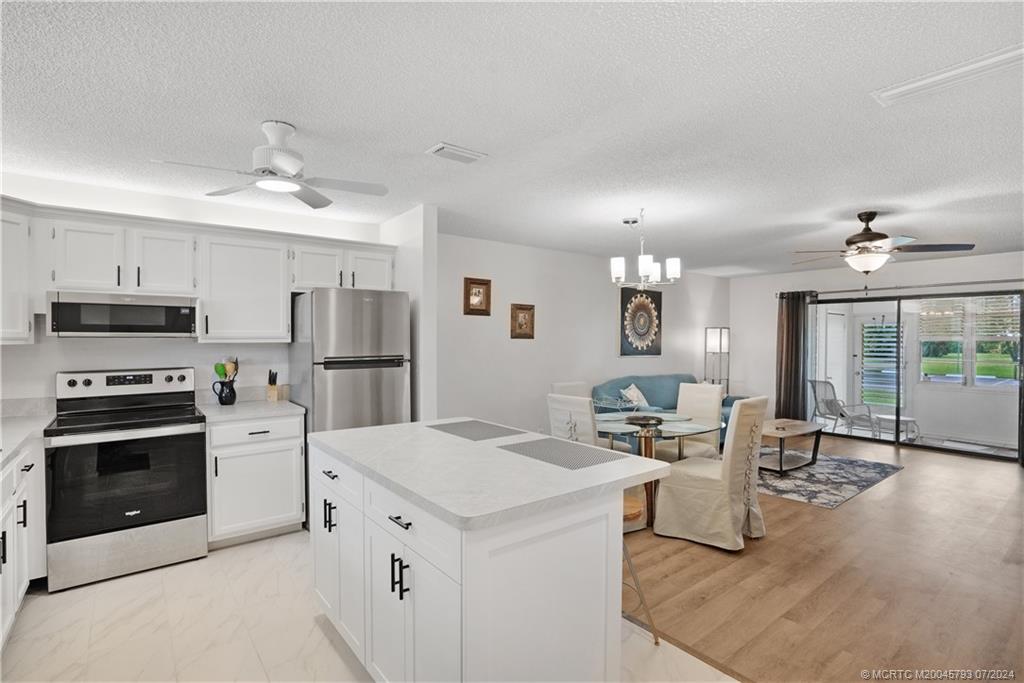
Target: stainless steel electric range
[{"x": 125, "y": 474}]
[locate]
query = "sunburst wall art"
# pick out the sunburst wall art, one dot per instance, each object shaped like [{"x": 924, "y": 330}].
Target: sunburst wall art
[{"x": 640, "y": 322}]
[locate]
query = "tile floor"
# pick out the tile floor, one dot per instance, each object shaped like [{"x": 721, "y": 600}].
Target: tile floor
[{"x": 243, "y": 613}]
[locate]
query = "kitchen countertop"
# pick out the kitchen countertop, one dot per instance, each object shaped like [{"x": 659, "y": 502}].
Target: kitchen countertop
[
  {"x": 15, "y": 431},
  {"x": 475, "y": 484},
  {"x": 249, "y": 410}
]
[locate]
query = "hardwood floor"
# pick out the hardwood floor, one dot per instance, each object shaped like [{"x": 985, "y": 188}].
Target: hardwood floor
[{"x": 921, "y": 571}]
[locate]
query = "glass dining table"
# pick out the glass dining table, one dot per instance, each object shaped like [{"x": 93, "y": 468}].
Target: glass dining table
[{"x": 673, "y": 426}]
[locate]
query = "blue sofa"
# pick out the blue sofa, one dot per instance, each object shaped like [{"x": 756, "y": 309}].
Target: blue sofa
[{"x": 661, "y": 391}]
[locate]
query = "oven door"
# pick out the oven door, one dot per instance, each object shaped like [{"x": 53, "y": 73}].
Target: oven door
[{"x": 103, "y": 482}]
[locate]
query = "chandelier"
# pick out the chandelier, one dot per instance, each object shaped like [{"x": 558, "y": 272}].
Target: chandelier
[{"x": 648, "y": 270}]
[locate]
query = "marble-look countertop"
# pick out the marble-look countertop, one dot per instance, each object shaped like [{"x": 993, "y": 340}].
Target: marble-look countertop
[
  {"x": 249, "y": 410},
  {"x": 15, "y": 431},
  {"x": 474, "y": 484}
]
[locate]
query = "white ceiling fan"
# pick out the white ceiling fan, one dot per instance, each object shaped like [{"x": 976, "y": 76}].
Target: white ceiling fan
[{"x": 278, "y": 168}]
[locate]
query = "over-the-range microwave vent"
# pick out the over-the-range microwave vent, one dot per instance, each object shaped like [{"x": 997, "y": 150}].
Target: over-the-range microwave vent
[{"x": 446, "y": 150}]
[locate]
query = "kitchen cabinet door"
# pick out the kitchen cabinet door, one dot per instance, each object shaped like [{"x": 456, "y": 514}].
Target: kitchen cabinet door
[
  {"x": 255, "y": 488},
  {"x": 15, "y": 256},
  {"x": 88, "y": 257},
  {"x": 8, "y": 573},
  {"x": 435, "y": 613},
  {"x": 163, "y": 262},
  {"x": 368, "y": 269},
  {"x": 33, "y": 479},
  {"x": 244, "y": 291},
  {"x": 317, "y": 267},
  {"x": 326, "y": 554},
  {"x": 351, "y": 606},
  {"x": 385, "y": 606}
]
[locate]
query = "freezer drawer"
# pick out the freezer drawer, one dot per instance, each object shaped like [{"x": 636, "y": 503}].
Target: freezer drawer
[
  {"x": 359, "y": 395},
  {"x": 359, "y": 322}
]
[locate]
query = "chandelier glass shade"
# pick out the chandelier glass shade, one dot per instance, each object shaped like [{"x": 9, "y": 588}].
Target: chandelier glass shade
[
  {"x": 649, "y": 271},
  {"x": 867, "y": 261}
]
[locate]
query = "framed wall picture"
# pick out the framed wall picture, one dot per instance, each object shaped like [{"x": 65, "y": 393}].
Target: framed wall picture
[
  {"x": 640, "y": 322},
  {"x": 522, "y": 323},
  {"x": 476, "y": 296}
]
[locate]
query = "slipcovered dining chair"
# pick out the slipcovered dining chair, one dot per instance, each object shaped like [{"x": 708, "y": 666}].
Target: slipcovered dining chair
[
  {"x": 571, "y": 389},
  {"x": 703, "y": 403},
  {"x": 715, "y": 501}
]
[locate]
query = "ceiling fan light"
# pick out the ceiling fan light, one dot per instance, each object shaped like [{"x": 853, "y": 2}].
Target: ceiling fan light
[
  {"x": 673, "y": 268},
  {"x": 867, "y": 262},
  {"x": 618, "y": 267},
  {"x": 277, "y": 185}
]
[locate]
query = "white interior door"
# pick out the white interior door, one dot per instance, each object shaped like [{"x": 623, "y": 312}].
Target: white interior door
[{"x": 837, "y": 357}]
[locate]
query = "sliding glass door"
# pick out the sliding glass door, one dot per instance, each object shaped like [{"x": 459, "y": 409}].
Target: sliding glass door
[{"x": 943, "y": 372}]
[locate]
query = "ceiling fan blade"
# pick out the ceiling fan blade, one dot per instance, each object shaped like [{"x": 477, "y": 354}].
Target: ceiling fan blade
[
  {"x": 816, "y": 258},
  {"x": 228, "y": 190},
  {"x": 375, "y": 189},
  {"x": 211, "y": 168},
  {"x": 891, "y": 242},
  {"x": 311, "y": 197},
  {"x": 919, "y": 248}
]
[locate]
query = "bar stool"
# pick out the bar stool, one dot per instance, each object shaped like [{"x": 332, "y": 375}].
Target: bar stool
[{"x": 633, "y": 509}]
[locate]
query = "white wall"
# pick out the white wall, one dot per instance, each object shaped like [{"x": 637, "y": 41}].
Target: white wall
[
  {"x": 414, "y": 233},
  {"x": 28, "y": 370},
  {"x": 75, "y": 195},
  {"x": 754, "y": 309},
  {"x": 484, "y": 373}
]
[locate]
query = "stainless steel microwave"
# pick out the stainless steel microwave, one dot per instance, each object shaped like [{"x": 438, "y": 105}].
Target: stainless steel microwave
[{"x": 88, "y": 314}]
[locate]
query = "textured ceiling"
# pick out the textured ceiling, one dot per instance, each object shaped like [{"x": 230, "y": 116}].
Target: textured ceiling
[{"x": 746, "y": 130}]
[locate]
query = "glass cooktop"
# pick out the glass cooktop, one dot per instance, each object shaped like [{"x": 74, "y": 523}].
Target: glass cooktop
[{"x": 133, "y": 418}]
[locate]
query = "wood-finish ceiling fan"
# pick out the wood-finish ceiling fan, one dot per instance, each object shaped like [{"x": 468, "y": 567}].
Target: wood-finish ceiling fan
[
  {"x": 278, "y": 168},
  {"x": 868, "y": 250}
]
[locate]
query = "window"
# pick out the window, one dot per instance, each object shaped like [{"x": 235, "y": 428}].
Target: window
[
  {"x": 997, "y": 341},
  {"x": 878, "y": 364},
  {"x": 941, "y": 334}
]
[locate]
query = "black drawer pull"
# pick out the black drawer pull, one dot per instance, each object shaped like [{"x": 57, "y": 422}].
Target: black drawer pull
[
  {"x": 3, "y": 548},
  {"x": 262, "y": 431},
  {"x": 329, "y": 474},
  {"x": 28, "y": 467},
  {"x": 24, "y": 513},
  {"x": 397, "y": 519},
  {"x": 331, "y": 507},
  {"x": 216, "y": 466}
]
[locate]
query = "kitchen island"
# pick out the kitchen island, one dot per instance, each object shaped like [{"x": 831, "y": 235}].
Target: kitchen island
[{"x": 463, "y": 550}]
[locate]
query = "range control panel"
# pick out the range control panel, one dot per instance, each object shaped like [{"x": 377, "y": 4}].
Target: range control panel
[{"x": 86, "y": 383}]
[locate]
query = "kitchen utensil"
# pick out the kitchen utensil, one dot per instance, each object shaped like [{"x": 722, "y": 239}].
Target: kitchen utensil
[
  {"x": 218, "y": 368},
  {"x": 225, "y": 391}
]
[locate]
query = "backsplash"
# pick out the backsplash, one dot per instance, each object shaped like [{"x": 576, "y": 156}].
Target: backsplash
[{"x": 27, "y": 371}]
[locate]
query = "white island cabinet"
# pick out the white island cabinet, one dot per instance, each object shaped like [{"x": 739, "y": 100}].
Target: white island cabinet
[{"x": 462, "y": 550}]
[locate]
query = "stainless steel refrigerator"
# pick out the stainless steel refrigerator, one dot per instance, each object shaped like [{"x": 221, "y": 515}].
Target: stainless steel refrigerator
[{"x": 349, "y": 361}]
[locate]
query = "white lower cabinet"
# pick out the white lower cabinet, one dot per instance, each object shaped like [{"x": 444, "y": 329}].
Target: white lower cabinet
[
  {"x": 337, "y": 529},
  {"x": 22, "y": 533},
  {"x": 255, "y": 484}
]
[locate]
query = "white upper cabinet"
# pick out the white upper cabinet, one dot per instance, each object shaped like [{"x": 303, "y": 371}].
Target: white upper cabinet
[
  {"x": 88, "y": 257},
  {"x": 244, "y": 290},
  {"x": 368, "y": 269},
  {"x": 15, "y": 255},
  {"x": 163, "y": 262},
  {"x": 316, "y": 266}
]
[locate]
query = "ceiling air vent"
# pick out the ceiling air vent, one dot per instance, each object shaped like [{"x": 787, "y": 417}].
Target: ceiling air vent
[
  {"x": 950, "y": 76},
  {"x": 455, "y": 153}
]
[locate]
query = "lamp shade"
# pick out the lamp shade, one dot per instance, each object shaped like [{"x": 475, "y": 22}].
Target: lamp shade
[
  {"x": 673, "y": 268},
  {"x": 867, "y": 262},
  {"x": 645, "y": 265},
  {"x": 618, "y": 266},
  {"x": 656, "y": 273},
  {"x": 716, "y": 340}
]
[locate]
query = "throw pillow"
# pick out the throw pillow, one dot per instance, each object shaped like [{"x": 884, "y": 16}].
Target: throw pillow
[{"x": 634, "y": 396}]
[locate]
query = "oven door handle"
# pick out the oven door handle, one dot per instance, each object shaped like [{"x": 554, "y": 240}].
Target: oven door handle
[{"x": 122, "y": 435}]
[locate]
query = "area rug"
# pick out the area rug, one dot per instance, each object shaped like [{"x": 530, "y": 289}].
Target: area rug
[{"x": 828, "y": 483}]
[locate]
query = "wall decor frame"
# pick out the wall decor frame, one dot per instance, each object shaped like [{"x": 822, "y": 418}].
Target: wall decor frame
[
  {"x": 476, "y": 296},
  {"x": 640, "y": 322},
  {"x": 522, "y": 321}
]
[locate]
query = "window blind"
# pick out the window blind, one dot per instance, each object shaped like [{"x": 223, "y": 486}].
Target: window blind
[
  {"x": 997, "y": 318},
  {"x": 941, "y": 319},
  {"x": 878, "y": 364}
]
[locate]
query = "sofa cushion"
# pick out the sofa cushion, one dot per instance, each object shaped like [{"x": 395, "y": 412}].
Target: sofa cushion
[{"x": 633, "y": 394}]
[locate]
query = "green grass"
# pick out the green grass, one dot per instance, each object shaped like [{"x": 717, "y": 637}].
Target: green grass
[{"x": 988, "y": 364}]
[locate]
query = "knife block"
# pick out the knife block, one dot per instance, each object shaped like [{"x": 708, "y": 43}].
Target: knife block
[{"x": 277, "y": 392}]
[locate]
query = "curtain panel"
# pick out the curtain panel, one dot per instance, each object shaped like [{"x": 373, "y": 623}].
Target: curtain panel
[{"x": 794, "y": 354}]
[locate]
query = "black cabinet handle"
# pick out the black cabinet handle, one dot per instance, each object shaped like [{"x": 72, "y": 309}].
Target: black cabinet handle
[
  {"x": 138, "y": 276},
  {"x": 206, "y": 321},
  {"x": 216, "y": 466},
  {"x": 353, "y": 278},
  {"x": 402, "y": 590},
  {"x": 327, "y": 514},
  {"x": 119, "y": 276},
  {"x": 397, "y": 519},
  {"x": 28, "y": 467},
  {"x": 3, "y": 547},
  {"x": 331, "y": 507},
  {"x": 24, "y": 513},
  {"x": 341, "y": 278},
  {"x": 329, "y": 474},
  {"x": 262, "y": 431},
  {"x": 394, "y": 581}
]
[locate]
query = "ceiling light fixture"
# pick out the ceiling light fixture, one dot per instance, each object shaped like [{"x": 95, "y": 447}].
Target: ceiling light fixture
[
  {"x": 277, "y": 185},
  {"x": 867, "y": 261},
  {"x": 649, "y": 271}
]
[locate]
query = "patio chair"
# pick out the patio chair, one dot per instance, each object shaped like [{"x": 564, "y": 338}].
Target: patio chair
[{"x": 829, "y": 407}]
